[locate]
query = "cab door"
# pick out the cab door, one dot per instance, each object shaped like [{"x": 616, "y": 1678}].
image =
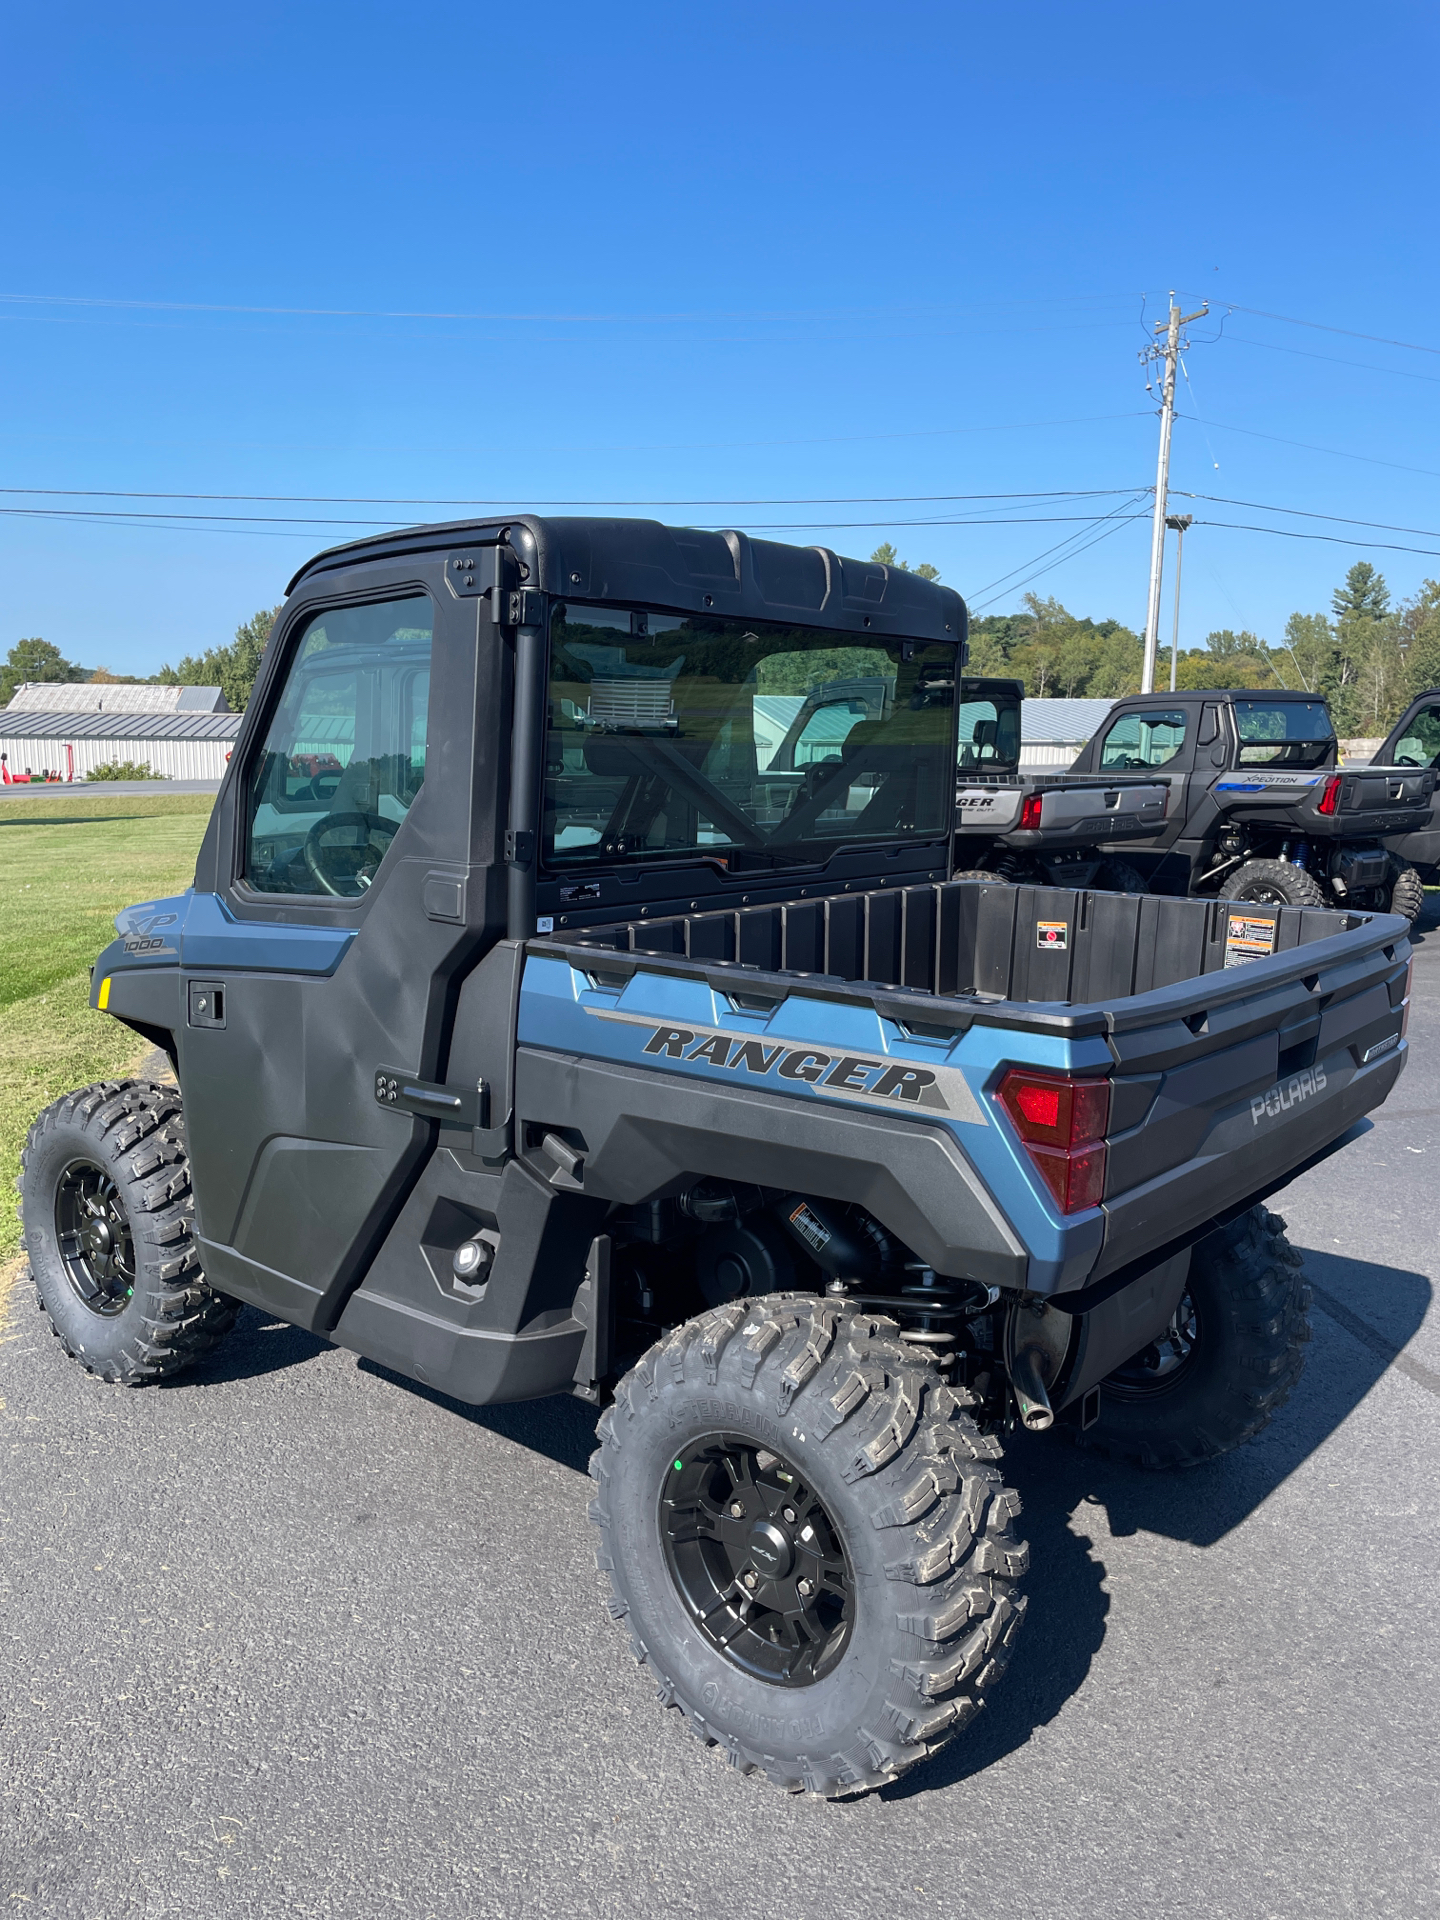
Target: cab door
[
  {"x": 1416, "y": 743},
  {"x": 343, "y": 886}
]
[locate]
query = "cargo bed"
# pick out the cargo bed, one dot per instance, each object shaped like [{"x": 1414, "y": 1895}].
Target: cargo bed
[{"x": 1231, "y": 1068}]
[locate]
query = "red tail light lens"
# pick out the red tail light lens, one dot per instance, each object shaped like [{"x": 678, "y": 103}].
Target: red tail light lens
[
  {"x": 1329, "y": 801},
  {"x": 1062, "y": 1123},
  {"x": 1030, "y": 810}
]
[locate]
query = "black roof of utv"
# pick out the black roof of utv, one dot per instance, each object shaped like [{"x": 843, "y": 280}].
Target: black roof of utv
[{"x": 686, "y": 569}]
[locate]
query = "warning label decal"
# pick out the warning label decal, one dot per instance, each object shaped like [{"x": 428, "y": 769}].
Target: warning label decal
[
  {"x": 1052, "y": 934},
  {"x": 1249, "y": 937}
]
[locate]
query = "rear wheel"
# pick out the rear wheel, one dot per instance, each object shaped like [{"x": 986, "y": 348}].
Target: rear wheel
[
  {"x": 1274, "y": 883},
  {"x": 1118, "y": 876},
  {"x": 1232, "y": 1353},
  {"x": 106, "y": 1208},
  {"x": 1407, "y": 895},
  {"x": 809, "y": 1540},
  {"x": 979, "y": 873}
]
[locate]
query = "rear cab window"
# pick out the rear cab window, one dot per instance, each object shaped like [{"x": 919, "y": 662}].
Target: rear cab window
[
  {"x": 751, "y": 744},
  {"x": 1142, "y": 739},
  {"x": 989, "y": 736},
  {"x": 1284, "y": 733}
]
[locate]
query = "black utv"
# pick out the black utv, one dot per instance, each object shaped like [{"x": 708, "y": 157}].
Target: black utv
[
  {"x": 1234, "y": 794},
  {"x": 574, "y": 998}
]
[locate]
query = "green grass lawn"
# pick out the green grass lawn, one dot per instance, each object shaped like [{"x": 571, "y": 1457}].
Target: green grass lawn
[{"x": 67, "y": 867}]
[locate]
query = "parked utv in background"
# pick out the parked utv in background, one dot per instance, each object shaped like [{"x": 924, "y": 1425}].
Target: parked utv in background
[
  {"x": 612, "y": 1026},
  {"x": 1233, "y": 793},
  {"x": 1415, "y": 742},
  {"x": 1053, "y": 828}
]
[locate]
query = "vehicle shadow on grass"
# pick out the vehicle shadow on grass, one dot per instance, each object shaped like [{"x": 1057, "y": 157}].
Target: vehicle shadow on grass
[{"x": 1363, "y": 1315}]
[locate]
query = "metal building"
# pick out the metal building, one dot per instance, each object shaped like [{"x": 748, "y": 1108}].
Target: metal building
[{"x": 181, "y": 746}]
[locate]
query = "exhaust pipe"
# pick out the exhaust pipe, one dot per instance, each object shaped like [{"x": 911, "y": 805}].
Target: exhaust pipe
[{"x": 1029, "y": 1384}]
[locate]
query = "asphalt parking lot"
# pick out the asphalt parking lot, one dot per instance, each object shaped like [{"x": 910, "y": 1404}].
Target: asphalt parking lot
[{"x": 293, "y": 1637}]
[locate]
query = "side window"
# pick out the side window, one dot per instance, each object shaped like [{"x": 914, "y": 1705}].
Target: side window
[
  {"x": 344, "y": 755},
  {"x": 1419, "y": 745},
  {"x": 1142, "y": 739}
]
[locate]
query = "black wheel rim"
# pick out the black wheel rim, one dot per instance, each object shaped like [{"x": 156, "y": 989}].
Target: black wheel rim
[
  {"x": 757, "y": 1560},
  {"x": 1165, "y": 1362},
  {"x": 1262, "y": 894},
  {"x": 92, "y": 1228}
]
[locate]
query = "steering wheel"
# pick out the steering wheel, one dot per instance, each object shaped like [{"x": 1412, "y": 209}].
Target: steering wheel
[
  {"x": 1404, "y": 760},
  {"x": 322, "y": 789},
  {"x": 360, "y": 873}
]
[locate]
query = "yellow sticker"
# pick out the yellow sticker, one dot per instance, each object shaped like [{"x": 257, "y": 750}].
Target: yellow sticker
[{"x": 103, "y": 1002}]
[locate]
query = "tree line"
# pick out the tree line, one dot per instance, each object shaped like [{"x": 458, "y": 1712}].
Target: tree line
[
  {"x": 232, "y": 668},
  {"x": 1368, "y": 656}
]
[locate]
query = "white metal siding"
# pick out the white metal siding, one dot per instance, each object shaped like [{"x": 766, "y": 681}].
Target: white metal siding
[{"x": 176, "y": 759}]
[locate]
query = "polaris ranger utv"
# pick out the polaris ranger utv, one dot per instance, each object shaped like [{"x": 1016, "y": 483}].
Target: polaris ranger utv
[
  {"x": 1056, "y": 828},
  {"x": 1235, "y": 794},
  {"x": 566, "y": 1043}
]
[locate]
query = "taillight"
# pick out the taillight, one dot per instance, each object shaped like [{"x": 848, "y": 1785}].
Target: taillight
[
  {"x": 1062, "y": 1123},
  {"x": 1030, "y": 810},
  {"x": 1329, "y": 801}
]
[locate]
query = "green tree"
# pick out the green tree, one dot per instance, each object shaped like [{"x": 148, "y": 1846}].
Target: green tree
[
  {"x": 1310, "y": 644},
  {"x": 233, "y": 668},
  {"x": 1420, "y": 622},
  {"x": 35, "y": 660},
  {"x": 886, "y": 556},
  {"x": 1364, "y": 595}
]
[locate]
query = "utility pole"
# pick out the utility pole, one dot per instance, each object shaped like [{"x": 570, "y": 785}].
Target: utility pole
[
  {"x": 1179, "y": 522},
  {"x": 1170, "y": 354}
]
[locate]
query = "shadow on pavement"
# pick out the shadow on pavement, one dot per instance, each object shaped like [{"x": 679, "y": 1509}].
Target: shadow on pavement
[
  {"x": 561, "y": 1428},
  {"x": 1059, "y": 1482}
]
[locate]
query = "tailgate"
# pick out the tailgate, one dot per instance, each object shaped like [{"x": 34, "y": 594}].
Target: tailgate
[
  {"x": 1214, "y": 1102},
  {"x": 1385, "y": 799}
]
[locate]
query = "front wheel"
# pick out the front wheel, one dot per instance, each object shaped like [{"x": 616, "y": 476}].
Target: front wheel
[
  {"x": 808, "y": 1539},
  {"x": 106, "y": 1207},
  {"x": 1229, "y": 1359},
  {"x": 1274, "y": 883}
]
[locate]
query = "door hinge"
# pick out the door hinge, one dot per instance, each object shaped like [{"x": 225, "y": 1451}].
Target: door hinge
[
  {"x": 517, "y": 606},
  {"x": 519, "y": 846}
]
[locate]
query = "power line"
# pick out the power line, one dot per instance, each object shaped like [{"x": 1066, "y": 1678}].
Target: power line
[
  {"x": 1334, "y": 539},
  {"x": 133, "y": 517},
  {"x": 509, "y": 506},
  {"x": 1060, "y": 560},
  {"x": 1302, "y": 513},
  {"x": 1306, "y": 446},
  {"x": 1334, "y": 360},
  {"x": 1001, "y": 579},
  {"x": 1289, "y": 319},
  {"x": 500, "y": 315}
]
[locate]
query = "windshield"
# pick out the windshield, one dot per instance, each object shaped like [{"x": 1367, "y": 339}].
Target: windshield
[
  {"x": 1284, "y": 733},
  {"x": 751, "y": 742},
  {"x": 989, "y": 734}
]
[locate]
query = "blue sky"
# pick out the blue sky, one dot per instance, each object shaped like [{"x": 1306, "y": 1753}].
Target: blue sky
[{"x": 757, "y": 253}]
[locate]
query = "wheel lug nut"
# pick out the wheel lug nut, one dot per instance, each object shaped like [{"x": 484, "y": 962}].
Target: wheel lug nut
[
  {"x": 751, "y": 1580},
  {"x": 736, "y": 1510},
  {"x": 789, "y": 1513},
  {"x": 803, "y": 1586}
]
